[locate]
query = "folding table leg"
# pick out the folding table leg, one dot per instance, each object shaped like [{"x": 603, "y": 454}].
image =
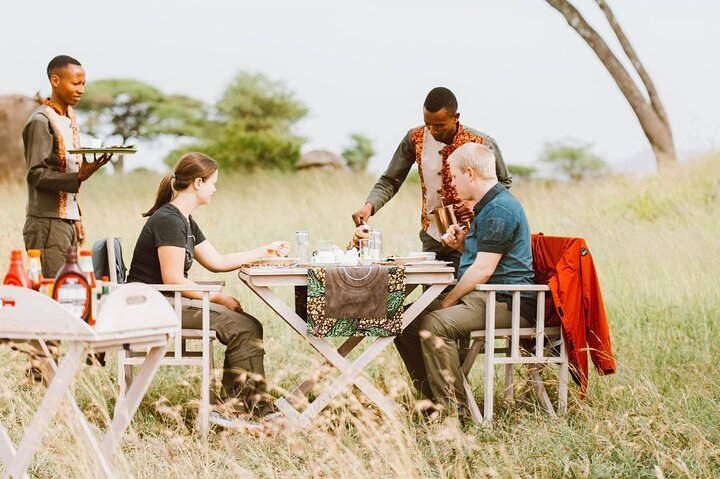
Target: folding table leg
[
  {"x": 306, "y": 386},
  {"x": 323, "y": 347},
  {"x": 48, "y": 407},
  {"x": 7, "y": 449},
  {"x": 351, "y": 373},
  {"x": 347, "y": 377},
  {"x": 80, "y": 425},
  {"x": 127, "y": 405}
]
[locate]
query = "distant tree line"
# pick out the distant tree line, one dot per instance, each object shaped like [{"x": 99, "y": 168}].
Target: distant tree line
[
  {"x": 569, "y": 159},
  {"x": 249, "y": 128}
]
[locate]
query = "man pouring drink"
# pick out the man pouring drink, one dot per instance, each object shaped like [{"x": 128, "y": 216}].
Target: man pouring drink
[{"x": 430, "y": 146}]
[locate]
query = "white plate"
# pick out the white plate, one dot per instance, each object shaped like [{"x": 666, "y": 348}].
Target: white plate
[
  {"x": 429, "y": 262},
  {"x": 406, "y": 259}
]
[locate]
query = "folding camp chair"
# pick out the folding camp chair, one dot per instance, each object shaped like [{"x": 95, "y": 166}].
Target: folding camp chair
[
  {"x": 548, "y": 348},
  {"x": 181, "y": 355}
]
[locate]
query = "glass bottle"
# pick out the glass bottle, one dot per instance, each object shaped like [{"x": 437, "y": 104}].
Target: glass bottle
[
  {"x": 72, "y": 288},
  {"x": 86, "y": 264},
  {"x": 16, "y": 275},
  {"x": 34, "y": 271}
]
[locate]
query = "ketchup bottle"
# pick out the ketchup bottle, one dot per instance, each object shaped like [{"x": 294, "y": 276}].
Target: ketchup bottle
[{"x": 16, "y": 275}]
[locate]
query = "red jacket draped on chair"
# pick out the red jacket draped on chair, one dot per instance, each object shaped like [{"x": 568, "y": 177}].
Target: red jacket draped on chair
[{"x": 566, "y": 266}]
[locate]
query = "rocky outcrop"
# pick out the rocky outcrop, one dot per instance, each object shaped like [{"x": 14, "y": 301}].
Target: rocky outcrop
[
  {"x": 14, "y": 113},
  {"x": 323, "y": 159}
]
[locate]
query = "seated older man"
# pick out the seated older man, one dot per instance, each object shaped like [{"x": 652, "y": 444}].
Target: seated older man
[{"x": 496, "y": 249}]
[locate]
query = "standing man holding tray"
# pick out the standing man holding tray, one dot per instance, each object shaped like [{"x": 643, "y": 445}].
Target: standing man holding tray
[{"x": 53, "y": 217}]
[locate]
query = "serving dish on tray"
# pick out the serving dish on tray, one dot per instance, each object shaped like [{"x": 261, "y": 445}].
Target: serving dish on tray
[
  {"x": 275, "y": 262},
  {"x": 120, "y": 150}
]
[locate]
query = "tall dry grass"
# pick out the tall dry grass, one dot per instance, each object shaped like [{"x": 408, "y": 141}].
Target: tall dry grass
[{"x": 654, "y": 240}]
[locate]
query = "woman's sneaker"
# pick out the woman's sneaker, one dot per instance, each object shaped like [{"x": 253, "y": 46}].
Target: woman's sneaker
[{"x": 238, "y": 423}]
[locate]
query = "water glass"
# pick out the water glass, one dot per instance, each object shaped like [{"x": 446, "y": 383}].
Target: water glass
[
  {"x": 302, "y": 246},
  {"x": 375, "y": 245},
  {"x": 324, "y": 245},
  {"x": 364, "y": 253}
]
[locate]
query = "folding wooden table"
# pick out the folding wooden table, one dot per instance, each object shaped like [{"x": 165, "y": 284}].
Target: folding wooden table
[
  {"x": 262, "y": 280},
  {"x": 133, "y": 316}
]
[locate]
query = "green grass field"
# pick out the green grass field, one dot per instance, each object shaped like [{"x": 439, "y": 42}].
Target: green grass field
[{"x": 654, "y": 241}]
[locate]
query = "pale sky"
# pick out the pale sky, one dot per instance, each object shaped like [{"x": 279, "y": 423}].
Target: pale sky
[{"x": 520, "y": 73}]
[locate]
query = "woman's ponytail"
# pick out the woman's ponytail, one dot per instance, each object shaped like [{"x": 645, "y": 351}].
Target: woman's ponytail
[
  {"x": 189, "y": 167},
  {"x": 164, "y": 194}
]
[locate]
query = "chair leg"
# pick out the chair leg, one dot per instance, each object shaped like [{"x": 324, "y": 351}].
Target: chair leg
[
  {"x": 211, "y": 367},
  {"x": 472, "y": 354},
  {"x": 204, "y": 412},
  {"x": 540, "y": 389},
  {"x": 509, "y": 370},
  {"x": 489, "y": 390},
  {"x": 472, "y": 404},
  {"x": 563, "y": 380}
]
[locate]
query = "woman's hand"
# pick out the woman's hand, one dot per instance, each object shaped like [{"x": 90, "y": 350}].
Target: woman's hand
[
  {"x": 228, "y": 301},
  {"x": 278, "y": 248}
]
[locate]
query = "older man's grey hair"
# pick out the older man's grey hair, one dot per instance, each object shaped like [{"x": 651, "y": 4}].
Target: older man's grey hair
[{"x": 477, "y": 156}]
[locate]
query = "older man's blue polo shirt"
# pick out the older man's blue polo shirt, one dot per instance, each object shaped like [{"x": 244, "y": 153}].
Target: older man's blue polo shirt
[{"x": 500, "y": 226}]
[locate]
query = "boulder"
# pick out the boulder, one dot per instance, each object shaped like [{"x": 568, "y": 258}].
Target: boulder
[
  {"x": 323, "y": 159},
  {"x": 14, "y": 113}
]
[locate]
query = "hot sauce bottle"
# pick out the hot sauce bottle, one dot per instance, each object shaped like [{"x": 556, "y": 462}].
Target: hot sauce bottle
[{"x": 16, "y": 275}]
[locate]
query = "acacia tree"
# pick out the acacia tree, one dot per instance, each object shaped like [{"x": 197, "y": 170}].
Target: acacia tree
[
  {"x": 252, "y": 126},
  {"x": 643, "y": 99},
  {"x": 358, "y": 155},
  {"x": 132, "y": 109},
  {"x": 575, "y": 160}
]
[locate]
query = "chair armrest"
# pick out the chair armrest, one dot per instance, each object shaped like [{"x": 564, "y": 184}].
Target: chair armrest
[
  {"x": 219, "y": 282},
  {"x": 212, "y": 288},
  {"x": 512, "y": 287}
]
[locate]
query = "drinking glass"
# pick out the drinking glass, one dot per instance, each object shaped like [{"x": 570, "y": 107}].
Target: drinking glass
[
  {"x": 364, "y": 252},
  {"x": 375, "y": 245},
  {"x": 302, "y": 246},
  {"x": 324, "y": 245}
]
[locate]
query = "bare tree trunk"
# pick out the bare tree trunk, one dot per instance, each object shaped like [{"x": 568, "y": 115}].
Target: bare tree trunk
[
  {"x": 650, "y": 113},
  {"x": 119, "y": 163}
]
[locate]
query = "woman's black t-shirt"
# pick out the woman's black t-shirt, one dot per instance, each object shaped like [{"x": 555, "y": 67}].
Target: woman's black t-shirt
[{"x": 166, "y": 227}]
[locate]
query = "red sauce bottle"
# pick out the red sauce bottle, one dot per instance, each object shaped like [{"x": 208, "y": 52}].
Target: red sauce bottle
[
  {"x": 16, "y": 275},
  {"x": 86, "y": 264},
  {"x": 72, "y": 288}
]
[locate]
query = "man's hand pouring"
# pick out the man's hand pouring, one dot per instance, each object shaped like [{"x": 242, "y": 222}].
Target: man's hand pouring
[{"x": 454, "y": 237}]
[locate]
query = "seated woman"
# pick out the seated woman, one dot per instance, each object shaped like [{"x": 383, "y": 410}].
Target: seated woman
[{"x": 164, "y": 252}]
